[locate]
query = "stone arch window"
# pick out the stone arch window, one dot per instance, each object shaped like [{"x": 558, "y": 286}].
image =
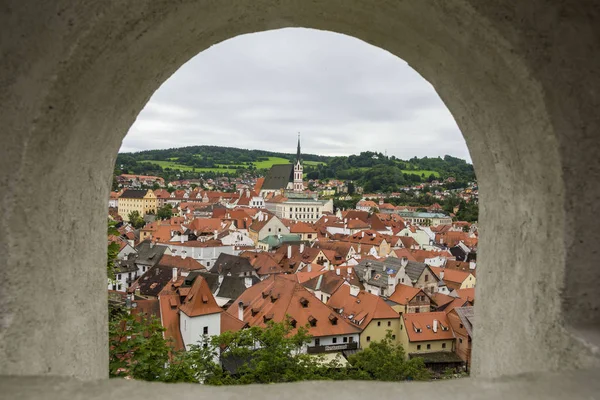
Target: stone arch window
[{"x": 521, "y": 87}]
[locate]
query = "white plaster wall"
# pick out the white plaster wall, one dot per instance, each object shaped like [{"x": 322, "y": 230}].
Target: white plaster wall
[{"x": 192, "y": 328}]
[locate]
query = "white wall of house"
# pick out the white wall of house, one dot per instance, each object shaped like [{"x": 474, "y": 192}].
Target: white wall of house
[
  {"x": 335, "y": 340},
  {"x": 237, "y": 239},
  {"x": 193, "y": 328},
  {"x": 273, "y": 227},
  {"x": 204, "y": 255}
]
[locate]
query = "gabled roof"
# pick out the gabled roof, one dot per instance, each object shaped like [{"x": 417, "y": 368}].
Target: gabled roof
[
  {"x": 301, "y": 227},
  {"x": 187, "y": 263},
  {"x": 149, "y": 253},
  {"x": 362, "y": 308},
  {"x": 200, "y": 300},
  {"x": 229, "y": 323},
  {"x": 450, "y": 275},
  {"x": 467, "y": 317},
  {"x": 404, "y": 294},
  {"x": 227, "y": 263},
  {"x": 278, "y": 177},
  {"x": 153, "y": 280},
  {"x": 281, "y": 295},
  {"x": 327, "y": 282},
  {"x": 133, "y": 194},
  {"x": 424, "y": 323}
]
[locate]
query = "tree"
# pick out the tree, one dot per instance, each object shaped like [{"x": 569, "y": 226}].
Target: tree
[
  {"x": 136, "y": 346},
  {"x": 136, "y": 219},
  {"x": 165, "y": 212},
  {"x": 112, "y": 251},
  {"x": 385, "y": 361},
  {"x": 351, "y": 188}
]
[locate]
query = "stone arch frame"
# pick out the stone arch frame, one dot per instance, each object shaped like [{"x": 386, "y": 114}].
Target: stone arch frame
[{"x": 520, "y": 78}]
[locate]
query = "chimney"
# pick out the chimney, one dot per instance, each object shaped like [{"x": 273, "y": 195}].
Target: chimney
[
  {"x": 183, "y": 255},
  {"x": 362, "y": 234},
  {"x": 289, "y": 251},
  {"x": 354, "y": 290},
  {"x": 442, "y": 275},
  {"x": 337, "y": 271},
  {"x": 349, "y": 271},
  {"x": 241, "y": 311},
  {"x": 215, "y": 233},
  {"x": 221, "y": 277},
  {"x": 174, "y": 274},
  {"x": 301, "y": 247},
  {"x": 309, "y": 268},
  {"x": 435, "y": 325},
  {"x": 151, "y": 244}
]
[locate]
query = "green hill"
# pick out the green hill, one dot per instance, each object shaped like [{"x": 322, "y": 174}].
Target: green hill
[{"x": 374, "y": 171}]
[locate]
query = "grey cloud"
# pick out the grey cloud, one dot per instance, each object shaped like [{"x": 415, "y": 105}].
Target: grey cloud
[{"x": 258, "y": 90}]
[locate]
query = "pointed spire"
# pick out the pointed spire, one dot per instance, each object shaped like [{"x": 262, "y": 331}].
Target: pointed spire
[{"x": 298, "y": 153}]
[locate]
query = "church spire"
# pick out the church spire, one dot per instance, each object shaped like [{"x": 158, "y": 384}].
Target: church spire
[{"x": 298, "y": 153}]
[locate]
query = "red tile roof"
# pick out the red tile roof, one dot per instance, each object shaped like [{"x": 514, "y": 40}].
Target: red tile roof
[
  {"x": 200, "y": 300},
  {"x": 281, "y": 295},
  {"x": 404, "y": 294},
  {"x": 424, "y": 322},
  {"x": 362, "y": 308}
]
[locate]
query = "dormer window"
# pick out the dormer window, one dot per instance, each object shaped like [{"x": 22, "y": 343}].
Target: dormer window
[
  {"x": 304, "y": 302},
  {"x": 312, "y": 320},
  {"x": 205, "y": 299},
  {"x": 293, "y": 323},
  {"x": 333, "y": 319},
  {"x": 274, "y": 297},
  {"x": 268, "y": 317},
  {"x": 266, "y": 294}
]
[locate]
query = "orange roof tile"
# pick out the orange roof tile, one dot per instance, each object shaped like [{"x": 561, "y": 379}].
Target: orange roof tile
[
  {"x": 280, "y": 295},
  {"x": 362, "y": 308},
  {"x": 200, "y": 300},
  {"x": 424, "y": 321},
  {"x": 404, "y": 294}
]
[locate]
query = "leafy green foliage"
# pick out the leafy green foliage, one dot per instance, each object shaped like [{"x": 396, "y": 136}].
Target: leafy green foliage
[
  {"x": 136, "y": 220},
  {"x": 136, "y": 346},
  {"x": 374, "y": 171},
  {"x": 165, "y": 212},
  {"x": 256, "y": 355},
  {"x": 386, "y": 361},
  {"x": 112, "y": 250}
]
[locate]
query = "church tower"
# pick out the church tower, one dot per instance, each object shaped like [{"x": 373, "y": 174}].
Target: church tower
[{"x": 298, "y": 174}]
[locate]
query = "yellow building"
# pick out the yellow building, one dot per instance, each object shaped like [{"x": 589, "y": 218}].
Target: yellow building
[
  {"x": 367, "y": 311},
  {"x": 142, "y": 201},
  {"x": 423, "y": 333}
]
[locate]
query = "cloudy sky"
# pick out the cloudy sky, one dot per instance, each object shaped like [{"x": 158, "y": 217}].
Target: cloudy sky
[{"x": 258, "y": 91}]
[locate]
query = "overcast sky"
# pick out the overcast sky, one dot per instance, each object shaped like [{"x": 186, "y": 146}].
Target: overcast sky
[{"x": 258, "y": 91}]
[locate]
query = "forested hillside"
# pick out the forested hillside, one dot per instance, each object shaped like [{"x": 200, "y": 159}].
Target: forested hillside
[{"x": 374, "y": 171}]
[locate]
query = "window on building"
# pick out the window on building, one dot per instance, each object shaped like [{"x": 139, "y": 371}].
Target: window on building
[
  {"x": 428, "y": 347},
  {"x": 378, "y": 323},
  {"x": 426, "y": 278},
  {"x": 119, "y": 276},
  {"x": 317, "y": 342},
  {"x": 205, "y": 330},
  {"x": 269, "y": 229},
  {"x": 389, "y": 323},
  {"x": 334, "y": 340},
  {"x": 394, "y": 337},
  {"x": 368, "y": 338},
  {"x": 418, "y": 347},
  {"x": 443, "y": 345},
  {"x": 345, "y": 340},
  {"x": 459, "y": 340},
  {"x": 351, "y": 339}
]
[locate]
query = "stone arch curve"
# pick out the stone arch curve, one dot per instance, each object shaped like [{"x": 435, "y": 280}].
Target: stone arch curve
[{"x": 518, "y": 79}]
